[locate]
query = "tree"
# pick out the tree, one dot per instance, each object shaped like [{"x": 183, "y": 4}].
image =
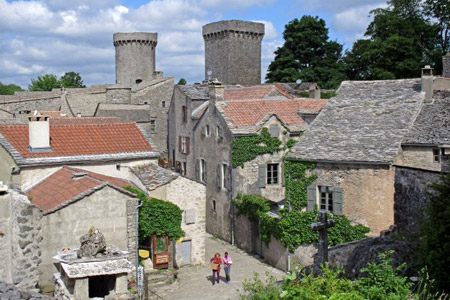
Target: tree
[
  {"x": 401, "y": 40},
  {"x": 440, "y": 10},
  {"x": 45, "y": 82},
  {"x": 71, "y": 80},
  {"x": 9, "y": 89},
  {"x": 182, "y": 81},
  {"x": 307, "y": 54},
  {"x": 435, "y": 240}
]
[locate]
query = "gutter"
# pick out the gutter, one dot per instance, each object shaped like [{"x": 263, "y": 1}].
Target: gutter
[
  {"x": 140, "y": 203},
  {"x": 352, "y": 162}
]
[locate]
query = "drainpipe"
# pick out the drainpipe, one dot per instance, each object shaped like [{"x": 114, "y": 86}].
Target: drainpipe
[
  {"x": 232, "y": 207},
  {"x": 137, "y": 237}
]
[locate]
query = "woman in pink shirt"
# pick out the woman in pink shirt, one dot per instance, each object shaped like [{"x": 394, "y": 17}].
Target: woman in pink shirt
[{"x": 227, "y": 266}]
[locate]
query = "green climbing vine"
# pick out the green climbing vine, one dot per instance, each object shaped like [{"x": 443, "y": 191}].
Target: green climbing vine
[
  {"x": 247, "y": 148},
  {"x": 158, "y": 217},
  {"x": 297, "y": 181},
  {"x": 293, "y": 228}
]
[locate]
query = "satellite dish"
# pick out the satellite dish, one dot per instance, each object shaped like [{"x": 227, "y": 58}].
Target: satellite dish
[{"x": 298, "y": 81}]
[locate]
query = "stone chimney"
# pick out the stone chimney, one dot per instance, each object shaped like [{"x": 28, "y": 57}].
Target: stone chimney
[
  {"x": 216, "y": 91},
  {"x": 39, "y": 133},
  {"x": 427, "y": 82},
  {"x": 446, "y": 65}
]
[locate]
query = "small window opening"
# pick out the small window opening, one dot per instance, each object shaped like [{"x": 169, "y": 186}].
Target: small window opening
[
  {"x": 272, "y": 174},
  {"x": 163, "y": 103},
  {"x": 214, "y": 205},
  {"x": 138, "y": 81}
]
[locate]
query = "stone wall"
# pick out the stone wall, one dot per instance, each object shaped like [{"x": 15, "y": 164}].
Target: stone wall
[
  {"x": 118, "y": 94},
  {"x": 418, "y": 157},
  {"x": 368, "y": 192},
  {"x": 190, "y": 196},
  {"x": 446, "y": 65},
  {"x": 20, "y": 240},
  {"x": 107, "y": 209},
  {"x": 411, "y": 186}
]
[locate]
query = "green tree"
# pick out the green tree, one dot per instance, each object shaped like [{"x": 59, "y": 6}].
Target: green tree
[
  {"x": 9, "y": 89},
  {"x": 71, "y": 80},
  {"x": 440, "y": 10},
  {"x": 45, "y": 82},
  {"x": 307, "y": 54},
  {"x": 435, "y": 240},
  {"x": 182, "y": 81},
  {"x": 401, "y": 40}
]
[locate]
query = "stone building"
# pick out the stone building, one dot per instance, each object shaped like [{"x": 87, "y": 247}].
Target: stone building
[
  {"x": 233, "y": 51},
  {"x": 141, "y": 94},
  {"x": 354, "y": 143},
  {"x": 107, "y": 146},
  {"x": 204, "y": 120},
  {"x": 73, "y": 200},
  {"x": 190, "y": 196}
]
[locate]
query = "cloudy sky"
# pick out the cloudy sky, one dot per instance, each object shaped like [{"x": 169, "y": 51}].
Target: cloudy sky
[{"x": 58, "y": 36}]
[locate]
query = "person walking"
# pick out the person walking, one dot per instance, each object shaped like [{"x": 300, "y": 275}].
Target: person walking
[
  {"x": 216, "y": 261},
  {"x": 227, "y": 262}
]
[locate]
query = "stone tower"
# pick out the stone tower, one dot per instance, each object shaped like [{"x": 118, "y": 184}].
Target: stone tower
[
  {"x": 233, "y": 51},
  {"x": 135, "y": 57}
]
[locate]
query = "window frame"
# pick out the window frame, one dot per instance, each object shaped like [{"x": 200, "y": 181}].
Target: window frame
[
  {"x": 184, "y": 113},
  {"x": 270, "y": 172},
  {"x": 202, "y": 170},
  {"x": 153, "y": 126}
]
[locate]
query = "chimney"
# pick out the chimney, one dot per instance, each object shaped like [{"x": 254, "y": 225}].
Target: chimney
[
  {"x": 215, "y": 91},
  {"x": 446, "y": 65},
  {"x": 39, "y": 133},
  {"x": 427, "y": 82}
]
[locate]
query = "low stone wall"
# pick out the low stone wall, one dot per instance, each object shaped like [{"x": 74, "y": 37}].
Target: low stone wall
[{"x": 20, "y": 240}]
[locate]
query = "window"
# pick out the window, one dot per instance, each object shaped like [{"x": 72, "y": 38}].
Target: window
[
  {"x": 184, "y": 144},
  {"x": 274, "y": 130},
  {"x": 163, "y": 103},
  {"x": 214, "y": 205},
  {"x": 183, "y": 170},
  {"x": 219, "y": 133},
  {"x": 184, "y": 114},
  {"x": 207, "y": 130},
  {"x": 153, "y": 126},
  {"x": 437, "y": 153},
  {"x": 223, "y": 176},
  {"x": 328, "y": 198},
  {"x": 203, "y": 170},
  {"x": 272, "y": 173},
  {"x": 200, "y": 170}
]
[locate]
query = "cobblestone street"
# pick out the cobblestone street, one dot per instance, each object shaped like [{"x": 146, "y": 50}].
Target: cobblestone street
[{"x": 195, "y": 281}]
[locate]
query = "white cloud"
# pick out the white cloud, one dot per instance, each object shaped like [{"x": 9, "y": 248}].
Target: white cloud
[{"x": 270, "y": 31}]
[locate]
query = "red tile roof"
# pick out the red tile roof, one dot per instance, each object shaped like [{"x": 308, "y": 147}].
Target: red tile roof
[
  {"x": 80, "y": 139},
  {"x": 250, "y": 113},
  {"x": 255, "y": 92},
  {"x": 62, "y": 186}
]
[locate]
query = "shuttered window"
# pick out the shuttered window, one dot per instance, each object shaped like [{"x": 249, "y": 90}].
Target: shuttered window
[
  {"x": 328, "y": 198},
  {"x": 272, "y": 174},
  {"x": 274, "y": 131}
]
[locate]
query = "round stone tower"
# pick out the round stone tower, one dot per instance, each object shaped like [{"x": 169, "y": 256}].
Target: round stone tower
[
  {"x": 135, "y": 57},
  {"x": 233, "y": 51}
]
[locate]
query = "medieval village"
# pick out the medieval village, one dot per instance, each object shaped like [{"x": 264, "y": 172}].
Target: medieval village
[{"x": 333, "y": 188}]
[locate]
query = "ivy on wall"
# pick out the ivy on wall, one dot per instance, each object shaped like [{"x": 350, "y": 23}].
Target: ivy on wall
[
  {"x": 296, "y": 182},
  {"x": 158, "y": 217},
  {"x": 247, "y": 148}
]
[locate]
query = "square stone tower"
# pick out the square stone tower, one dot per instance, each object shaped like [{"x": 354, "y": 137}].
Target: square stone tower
[{"x": 233, "y": 51}]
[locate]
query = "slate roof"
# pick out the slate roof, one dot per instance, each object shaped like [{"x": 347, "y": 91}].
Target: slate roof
[
  {"x": 68, "y": 185},
  {"x": 154, "y": 176},
  {"x": 195, "y": 92},
  {"x": 365, "y": 122},
  {"x": 77, "y": 142},
  {"x": 248, "y": 114},
  {"x": 432, "y": 126},
  {"x": 126, "y": 112}
]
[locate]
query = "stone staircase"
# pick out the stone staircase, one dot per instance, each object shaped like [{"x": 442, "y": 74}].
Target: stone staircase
[{"x": 159, "y": 282}]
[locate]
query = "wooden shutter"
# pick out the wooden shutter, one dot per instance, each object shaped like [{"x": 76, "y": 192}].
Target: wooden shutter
[
  {"x": 311, "y": 195},
  {"x": 337, "y": 201},
  {"x": 262, "y": 175},
  {"x": 204, "y": 171},
  {"x": 197, "y": 169},
  {"x": 179, "y": 144},
  {"x": 226, "y": 174},
  {"x": 274, "y": 131},
  {"x": 219, "y": 176},
  {"x": 282, "y": 174},
  {"x": 188, "y": 145}
]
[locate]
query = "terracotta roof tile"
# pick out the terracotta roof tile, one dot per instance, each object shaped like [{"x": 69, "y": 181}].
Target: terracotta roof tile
[
  {"x": 63, "y": 186},
  {"x": 250, "y": 113},
  {"x": 80, "y": 139},
  {"x": 246, "y": 93}
]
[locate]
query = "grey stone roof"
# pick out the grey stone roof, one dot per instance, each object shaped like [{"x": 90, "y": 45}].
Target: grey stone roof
[
  {"x": 365, "y": 122},
  {"x": 195, "y": 92},
  {"x": 154, "y": 176},
  {"x": 125, "y": 112},
  {"x": 432, "y": 126}
]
